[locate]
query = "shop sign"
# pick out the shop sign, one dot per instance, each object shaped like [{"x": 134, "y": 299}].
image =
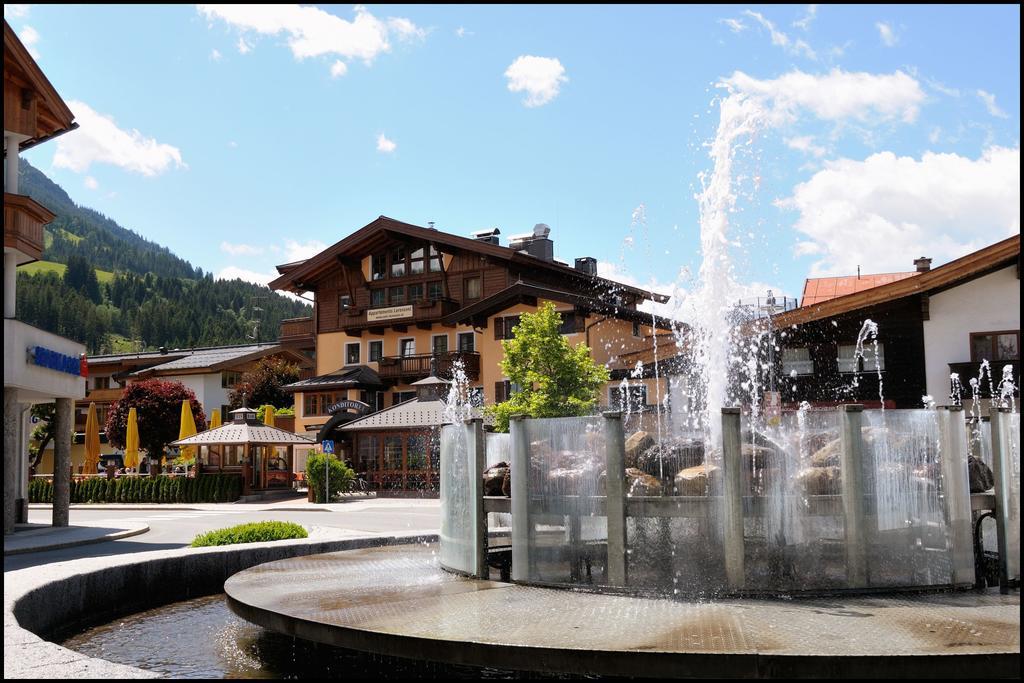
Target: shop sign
[
  {"x": 53, "y": 360},
  {"x": 357, "y": 406},
  {"x": 390, "y": 313}
]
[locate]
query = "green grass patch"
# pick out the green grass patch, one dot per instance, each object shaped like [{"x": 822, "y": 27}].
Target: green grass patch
[
  {"x": 104, "y": 276},
  {"x": 254, "y": 532}
]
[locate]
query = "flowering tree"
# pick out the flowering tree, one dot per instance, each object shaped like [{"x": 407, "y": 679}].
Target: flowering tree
[
  {"x": 158, "y": 406},
  {"x": 262, "y": 385}
]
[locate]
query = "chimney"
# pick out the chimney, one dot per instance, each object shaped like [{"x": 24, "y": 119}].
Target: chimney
[
  {"x": 535, "y": 243},
  {"x": 489, "y": 235},
  {"x": 923, "y": 264},
  {"x": 587, "y": 264}
]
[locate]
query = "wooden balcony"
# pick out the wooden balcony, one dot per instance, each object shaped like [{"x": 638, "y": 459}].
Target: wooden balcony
[
  {"x": 24, "y": 219},
  {"x": 971, "y": 370},
  {"x": 103, "y": 395},
  {"x": 297, "y": 332},
  {"x": 416, "y": 367},
  {"x": 426, "y": 311}
]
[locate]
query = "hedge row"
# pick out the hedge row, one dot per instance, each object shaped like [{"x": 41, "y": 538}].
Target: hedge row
[
  {"x": 207, "y": 488},
  {"x": 253, "y": 532}
]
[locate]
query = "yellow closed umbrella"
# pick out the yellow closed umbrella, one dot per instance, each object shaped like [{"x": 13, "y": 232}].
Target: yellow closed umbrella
[
  {"x": 92, "y": 441},
  {"x": 187, "y": 429},
  {"x": 268, "y": 416},
  {"x": 215, "y": 418},
  {"x": 131, "y": 440}
]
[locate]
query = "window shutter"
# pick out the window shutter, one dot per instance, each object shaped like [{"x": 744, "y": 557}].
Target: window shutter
[
  {"x": 499, "y": 392},
  {"x": 499, "y": 328}
]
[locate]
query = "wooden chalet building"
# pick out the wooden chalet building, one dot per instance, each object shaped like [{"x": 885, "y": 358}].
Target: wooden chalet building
[{"x": 394, "y": 301}]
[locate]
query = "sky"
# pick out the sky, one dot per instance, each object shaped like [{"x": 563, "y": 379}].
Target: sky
[{"x": 242, "y": 137}]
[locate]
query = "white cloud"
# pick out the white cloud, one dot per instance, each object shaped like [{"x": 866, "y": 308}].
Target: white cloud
[
  {"x": 886, "y": 33},
  {"x": 91, "y": 182},
  {"x": 338, "y": 69},
  {"x": 836, "y": 95},
  {"x": 312, "y": 32},
  {"x": 99, "y": 140},
  {"x": 298, "y": 251},
  {"x": 244, "y": 46},
  {"x": 934, "y": 135},
  {"x": 735, "y": 25},
  {"x": 16, "y": 11},
  {"x": 990, "y": 103},
  {"x": 805, "y": 144},
  {"x": 942, "y": 88},
  {"x": 804, "y": 24},
  {"x": 240, "y": 249},
  {"x": 29, "y": 36},
  {"x": 461, "y": 32},
  {"x": 236, "y": 273},
  {"x": 883, "y": 212},
  {"x": 780, "y": 39},
  {"x": 215, "y": 55},
  {"x": 539, "y": 77},
  {"x": 384, "y": 145}
]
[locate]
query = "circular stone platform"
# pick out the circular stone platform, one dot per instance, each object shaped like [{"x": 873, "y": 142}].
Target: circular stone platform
[{"x": 398, "y": 601}]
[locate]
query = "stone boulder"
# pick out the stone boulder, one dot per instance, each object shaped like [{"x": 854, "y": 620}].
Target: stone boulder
[
  {"x": 696, "y": 481},
  {"x": 494, "y": 478},
  {"x": 636, "y": 444},
  {"x": 638, "y": 483},
  {"x": 506, "y": 484},
  {"x": 670, "y": 457},
  {"x": 820, "y": 481},
  {"x": 979, "y": 475}
]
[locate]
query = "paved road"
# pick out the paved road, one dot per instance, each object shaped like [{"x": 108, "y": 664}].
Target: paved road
[{"x": 175, "y": 528}]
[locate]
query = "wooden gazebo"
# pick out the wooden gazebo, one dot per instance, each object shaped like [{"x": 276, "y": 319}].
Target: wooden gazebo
[{"x": 263, "y": 455}]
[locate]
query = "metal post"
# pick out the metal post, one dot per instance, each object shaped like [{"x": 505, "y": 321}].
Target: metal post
[
  {"x": 957, "y": 494},
  {"x": 732, "y": 470},
  {"x": 477, "y": 456},
  {"x": 851, "y": 468},
  {"x": 327, "y": 477},
  {"x": 1001, "y": 474},
  {"x": 615, "y": 497},
  {"x": 520, "y": 474},
  {"x": 62, "y": 463}
]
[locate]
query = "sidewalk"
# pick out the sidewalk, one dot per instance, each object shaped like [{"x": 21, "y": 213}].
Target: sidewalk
[
  {"x": 31, "y": 538},
  {"x": 287, "y": 505}
]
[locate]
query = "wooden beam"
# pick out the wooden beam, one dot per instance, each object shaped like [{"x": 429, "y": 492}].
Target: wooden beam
[
  {"x": 400, "y": 328},
  {"x": 379, "y": 331},
  {"x": 424, "y": 326}
]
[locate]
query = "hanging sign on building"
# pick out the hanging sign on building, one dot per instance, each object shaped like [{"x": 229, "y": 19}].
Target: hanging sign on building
[
  {"x": 390, "y": 313},
  {"x": 357, "y": 406},
  {"x": 53, "y": 360}
]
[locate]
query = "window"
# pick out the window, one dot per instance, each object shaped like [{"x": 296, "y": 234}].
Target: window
[
  {"x": 378, "y": 403},
  {"x": 571, "y": 323},
  {"x": 416, "y": 452},
  {"x": 466, "y": 342},
  {"x": 635, "y": 398},
  {"x": 435, "y": 291},
  {"x": 378, "y": 297},
  {"x": 398, "y": 262},
  {"x": 396, "y": 295},
  {"x": 849, "y": 363},
  {"x": 995, "y": 346},
  {"x": 439, "y": 344},
  {"x": 344, "y": 301},
  {"x": 352, "y": 353},
  {"x": 368, "y": 454},
  {"x": 472, "y": 287},
  {"x": 435, "y": 261},
  {"x": 415, "y": 293},
  {"x": 797, "y": 362},
  {"x": 401, "y": 397},
  {"x": 101, "y": 383},
  {"x": 379, "y": 269},
  {"x": 229, "y": 379},
  {"x": 636, "y": 329},
  {"x": 502, "y": 391},
  {"x": 393, "y": 452},
  {"x": 375, "y": 349},
  {"x": 503, "y": 327},
  {"x": 417, "y": 261},
  {"x": 407, "y": 347},
  {"x": 317, "y": 404}
]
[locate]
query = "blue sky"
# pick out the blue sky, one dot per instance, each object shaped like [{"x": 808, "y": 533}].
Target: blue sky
[{"x": 245, "y": 137}]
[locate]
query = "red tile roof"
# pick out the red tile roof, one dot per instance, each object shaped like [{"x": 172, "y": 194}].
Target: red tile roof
[{"x": 820, "y": 289}]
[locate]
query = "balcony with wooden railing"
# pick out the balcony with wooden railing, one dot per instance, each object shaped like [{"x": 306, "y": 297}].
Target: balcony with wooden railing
[
  {"x": 297, "y": 331},
  {"x": 24, "y": 219},
  {"x": 417, "y": 366},
  {"x": 103, "y": 395}
]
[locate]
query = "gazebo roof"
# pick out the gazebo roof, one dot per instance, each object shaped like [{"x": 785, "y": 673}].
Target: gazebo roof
[{"x": 234, "y": 433}]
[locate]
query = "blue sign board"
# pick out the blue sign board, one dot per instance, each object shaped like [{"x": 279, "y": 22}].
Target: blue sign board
[
  {"x": 53, "y": 360},
  {"x": 328, "y": 446}
]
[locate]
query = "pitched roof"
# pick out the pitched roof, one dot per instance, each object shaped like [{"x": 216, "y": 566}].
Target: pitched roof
[
  {"x": 295, "y": 276},
  {"x": 212, "y": 358},
  {"x": 818, "y": 289},
  {"x": 234, "y": 433},
  {"x": 360, "y": 376},
  {"x": 53, "y": 115},
  {"x": 412, "y": 414},
  {"x": 973, "y": 265}
]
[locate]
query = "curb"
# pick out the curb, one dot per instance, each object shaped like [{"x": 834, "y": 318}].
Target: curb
[{"x": 117, "y": 535}]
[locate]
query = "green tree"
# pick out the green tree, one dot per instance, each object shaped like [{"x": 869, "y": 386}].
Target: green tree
[
  {"x": 262, "y": 385},
  {"x": 552, "y": 378}
]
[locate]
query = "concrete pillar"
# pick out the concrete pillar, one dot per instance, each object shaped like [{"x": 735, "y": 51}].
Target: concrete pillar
[
  {"x": 615, "y": 497},
  {"x": 732, "y": 470},
  {"x": 62, "y": 462},
  {"x": 957, "y": 493},
  {"x": 851, "y": 467},
  {"x": 477, "y": 458},
  {"x": 1001, "y": 473},
  {"x": 10, "y": 284},
  {"x": 520, "y": 474},
  {"x": 11, "y": 471},
  {"x": 11, "y": 170},
  {"x": 24, "y": 432}
]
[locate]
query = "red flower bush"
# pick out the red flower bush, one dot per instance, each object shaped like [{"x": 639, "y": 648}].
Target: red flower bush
[{"x": 158, "y": 407}]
